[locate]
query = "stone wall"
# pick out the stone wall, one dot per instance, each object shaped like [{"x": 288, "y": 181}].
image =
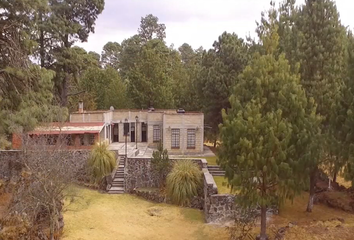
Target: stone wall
[
  {"x": 10, "y": 161},
  {"x": 222, "y": 208},
  {"x": 138, "y": 173},
  {"x": 155, "y": 196}
]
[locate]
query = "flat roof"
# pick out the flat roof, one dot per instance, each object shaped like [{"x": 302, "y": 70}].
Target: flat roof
[
  {"x": 69, "y": 128},
  {"x": 166, "y": 111}
]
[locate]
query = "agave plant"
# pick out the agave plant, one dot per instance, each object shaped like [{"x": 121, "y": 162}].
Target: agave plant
[
  {"x": 101, "y": 161},
  {"x": 183, "y": 182}
]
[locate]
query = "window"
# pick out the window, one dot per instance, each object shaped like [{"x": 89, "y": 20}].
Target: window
[
  {"x": 175, "y": 138},
  {"x": 69, "y": 140},
  {"x": 52, "y": 139},
  {"x": 157, "y": 133},
  {"x": 190, "y": 138},
  {"x": 92, "y": 139},
  {"x": 82, "y": 140}
]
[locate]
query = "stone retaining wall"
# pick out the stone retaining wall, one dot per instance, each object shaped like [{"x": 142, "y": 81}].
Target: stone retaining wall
[
  {"x": 11, "y": 161},
  {"x": 217, "y": 207},
  {"x": 138, "y": 173},
  {"x": 156, "y": 196}
]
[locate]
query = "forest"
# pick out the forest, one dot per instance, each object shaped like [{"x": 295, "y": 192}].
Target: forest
[{"x": 280, "y": 106}]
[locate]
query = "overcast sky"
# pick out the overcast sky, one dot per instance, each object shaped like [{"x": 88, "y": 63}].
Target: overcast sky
[{"x": 196, "y": 22}]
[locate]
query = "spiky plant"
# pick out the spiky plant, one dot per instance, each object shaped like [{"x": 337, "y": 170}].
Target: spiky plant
[
  {"x": 183, "y": 182},
  {"x": 101, "y": 162}
]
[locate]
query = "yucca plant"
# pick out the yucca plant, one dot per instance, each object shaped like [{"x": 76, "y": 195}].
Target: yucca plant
[
  {"x": 183, "y": 182},
  {"x": 101, "y": 162}
]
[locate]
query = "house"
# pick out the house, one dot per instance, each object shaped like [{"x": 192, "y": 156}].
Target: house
[
  {"x": 180, "y": 132},
  {"x": 72, "y": 135}
]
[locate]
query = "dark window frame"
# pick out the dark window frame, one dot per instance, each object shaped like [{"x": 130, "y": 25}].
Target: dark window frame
[
  {"x": 191, "y": 138},
  {"x": 156, "y": 133},
  {"x": 175, "y": 138}
]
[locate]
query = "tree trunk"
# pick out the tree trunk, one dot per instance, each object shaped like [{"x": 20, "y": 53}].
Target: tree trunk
[
  {"x": 41, "y": 43},
  {"x": 215, "y": 142},
  {"x": 263, "y": 235},
  {"x": 312, "y": 190},
  {"x": 335, "y": 177},
  {"x": 64, "y": 90}
]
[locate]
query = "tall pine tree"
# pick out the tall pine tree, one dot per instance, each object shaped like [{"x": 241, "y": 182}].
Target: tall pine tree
[
  {"x": 266, "y": 134},
  {"x": 320, "y": 36}
]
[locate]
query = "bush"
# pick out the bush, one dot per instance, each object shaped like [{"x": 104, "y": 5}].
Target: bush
[
  {"x": 101, "y": 162},
  {"x": 183, "y": 182}
]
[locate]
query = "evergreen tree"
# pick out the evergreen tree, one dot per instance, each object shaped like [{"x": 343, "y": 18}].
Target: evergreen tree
[
  {"x": 110, "y": 54},
  {"x": 321, "y": 65},
  {"x": 266, "y": 134},
  {"x": 220, "y": 68},
  {"x": 150, "y": 82},
  {"x": 150, "y": 29},
  {"x": 61, "y": 24}
]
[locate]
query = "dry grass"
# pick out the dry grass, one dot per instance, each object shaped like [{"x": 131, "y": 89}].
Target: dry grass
[
  {"x": 102, "y": 216},
  {"x": 4, "y": 202},
  {"x": 315, "y": 225}
]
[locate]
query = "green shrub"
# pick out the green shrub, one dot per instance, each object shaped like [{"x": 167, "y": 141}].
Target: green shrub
[
  {"x": 160, "y": 164},
  {"x": 101, "y": 162},
  {"x": 183, "y": 182}
]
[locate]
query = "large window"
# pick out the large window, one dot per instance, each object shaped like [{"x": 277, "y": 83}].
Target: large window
[
  {"x": 191, "y": 138},
  {"x": 156, "y": 133},
  {"x": 175, "y": 138},
  {"x": 92, "y": 139}
]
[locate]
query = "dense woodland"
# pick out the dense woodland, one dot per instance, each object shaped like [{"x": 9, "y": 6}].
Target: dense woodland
[{"x": 281, "y": 105}]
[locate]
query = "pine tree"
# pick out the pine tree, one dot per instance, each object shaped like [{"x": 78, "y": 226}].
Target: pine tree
[
  {"x": 266, "y": 134},
  {"x": 220, "y": 68},
  {"x": 321, "y": 64}
]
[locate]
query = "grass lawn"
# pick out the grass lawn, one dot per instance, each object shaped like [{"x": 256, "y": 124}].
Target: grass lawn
[
  {"x": 102, "y": 216},
  {"x": 221, "y": 183},
  {"x": 210, "y": 160}
]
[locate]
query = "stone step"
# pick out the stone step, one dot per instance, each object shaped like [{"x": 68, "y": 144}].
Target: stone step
[
  {"x": 115, "y": 185},
  {"x": 116, "y": 190},
  {"x": 211, "y": 172},
  {"x": 118, "y": 180},
  {"x": 119, "y": 175},
  {"x": 218, "y": 174}
]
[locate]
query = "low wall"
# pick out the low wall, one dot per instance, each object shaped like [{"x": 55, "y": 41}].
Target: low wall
[
  {"x": 11, "y": 161},
  {"x": 216, "y": 207},
  {"x": 138, "y": 173},
  {"x": 155, "y": 196}
]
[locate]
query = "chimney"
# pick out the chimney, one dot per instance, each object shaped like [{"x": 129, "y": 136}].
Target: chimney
[{"x": 81, "y": 107}]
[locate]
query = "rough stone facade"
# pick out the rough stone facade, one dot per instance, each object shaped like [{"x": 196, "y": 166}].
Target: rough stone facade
[
  {"x": 217, "y": 207},
  {"x": 156, "y": 196},
  {"x": 222, "y": 208},
  {"x": 138, "y": 173},
  {"x": 10, "y": 161}
]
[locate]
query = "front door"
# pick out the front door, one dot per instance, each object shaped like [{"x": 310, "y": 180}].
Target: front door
[
  {"x": 115, "y": 133},
  {"x": 132, "y": 132},
  {"x": 143, "y": 132}
]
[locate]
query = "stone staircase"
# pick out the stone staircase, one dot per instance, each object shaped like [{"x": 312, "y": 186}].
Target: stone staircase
[
  {"x": 118, "y": 182},
  {"x": 215, "y": 170}
]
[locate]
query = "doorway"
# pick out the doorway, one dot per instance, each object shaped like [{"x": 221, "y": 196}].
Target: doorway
[
  {"x": 115, "y": 133},
  {"x": 143, "y": 132},
  {"x": 132, "y": 132}
]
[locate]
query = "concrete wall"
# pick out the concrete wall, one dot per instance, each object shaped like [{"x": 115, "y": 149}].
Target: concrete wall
[
  {"x": 183, "y": 122},
  {"x": 87, "y": 117}
]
